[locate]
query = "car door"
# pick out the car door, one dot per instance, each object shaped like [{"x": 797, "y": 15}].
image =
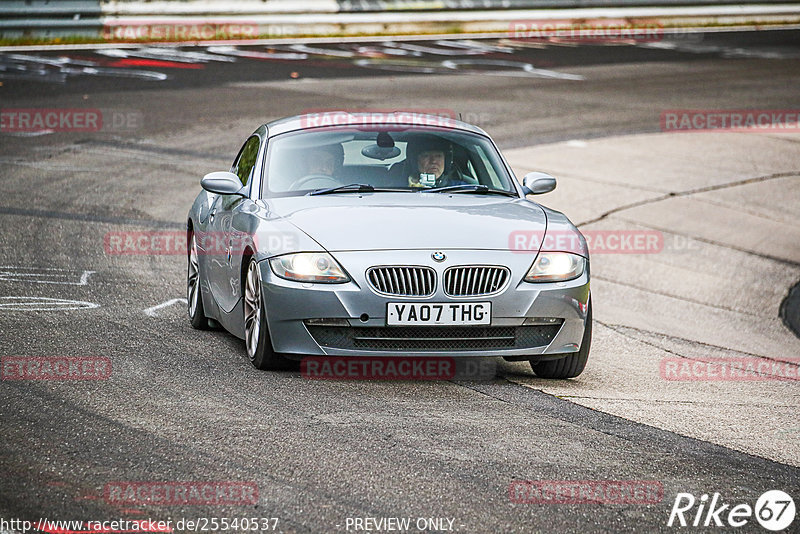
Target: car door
[{"x": 226, "y": 240}]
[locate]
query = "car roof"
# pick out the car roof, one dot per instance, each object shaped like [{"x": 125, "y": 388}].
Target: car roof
[{"x": 342, "y": 118}]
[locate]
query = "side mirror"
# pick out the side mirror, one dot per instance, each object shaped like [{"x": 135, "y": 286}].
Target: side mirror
[
  {"x": 538, "y": 183},
  {"x": 221, "y": 183}
]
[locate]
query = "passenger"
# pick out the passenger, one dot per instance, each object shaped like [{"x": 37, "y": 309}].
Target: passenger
[{"x": 325, "y": 160}]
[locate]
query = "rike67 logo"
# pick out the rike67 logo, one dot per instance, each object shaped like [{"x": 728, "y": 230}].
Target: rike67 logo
[{"x": 774, "y": 510}]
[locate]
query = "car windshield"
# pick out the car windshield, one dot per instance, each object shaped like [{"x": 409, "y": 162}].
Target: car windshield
[{"x": 410, "y": 160}]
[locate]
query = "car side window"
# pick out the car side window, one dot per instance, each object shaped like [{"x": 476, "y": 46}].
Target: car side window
[{"x": 246, "y": 160}]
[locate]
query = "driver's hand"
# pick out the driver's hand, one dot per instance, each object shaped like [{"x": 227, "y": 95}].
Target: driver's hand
[{"x": 413, "y": 181}]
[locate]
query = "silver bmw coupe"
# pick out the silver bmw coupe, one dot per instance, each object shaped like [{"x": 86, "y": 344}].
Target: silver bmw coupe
[{"x": 396, "y": 234}]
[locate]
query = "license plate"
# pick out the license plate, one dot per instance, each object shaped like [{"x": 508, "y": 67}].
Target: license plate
[{"x": 433, "y": 314}]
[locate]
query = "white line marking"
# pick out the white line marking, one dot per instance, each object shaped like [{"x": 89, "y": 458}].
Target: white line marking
[
  {"x": 171, "y": 54},
  {"x": 520, "y": 68},
  {"x": 44, "y": 303},
  {"x": 305, "y": 49},
  {"x": 438, "y": 51},
  {"x": 152, "y": 311},
  {"x": 36, "y": 133},
  {"x": 45, "y": 275},
  {"x": 253, "y": 54}
]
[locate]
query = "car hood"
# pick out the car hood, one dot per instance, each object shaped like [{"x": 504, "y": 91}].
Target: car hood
[{"x": 397, "y": 221}]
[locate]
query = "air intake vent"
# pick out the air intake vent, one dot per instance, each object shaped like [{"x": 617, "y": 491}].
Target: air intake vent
[
  {"x": 403, "y": 281},
  {"x": 474, "y": 280},
  {"x": 434, "y": 338}
]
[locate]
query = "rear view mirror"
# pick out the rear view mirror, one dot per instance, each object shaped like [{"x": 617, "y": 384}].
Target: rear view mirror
[
  {"x": 379, "y": 152},
  {"x": 221, "y": 183},
  {"x": 538, "y": 183},
  {"x": 383, "y": 149}
]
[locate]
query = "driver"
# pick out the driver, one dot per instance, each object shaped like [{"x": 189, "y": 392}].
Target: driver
[{"x": 430, "y": 163}]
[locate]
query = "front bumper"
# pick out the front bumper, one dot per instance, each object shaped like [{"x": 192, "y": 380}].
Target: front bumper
[{"x": 290, "y": 304}]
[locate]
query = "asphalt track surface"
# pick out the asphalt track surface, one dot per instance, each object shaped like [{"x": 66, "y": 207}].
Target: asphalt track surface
[{"x": 183, "y": 405}]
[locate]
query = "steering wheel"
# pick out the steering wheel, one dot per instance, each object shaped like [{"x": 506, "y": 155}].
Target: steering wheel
[{"x": 310, "y": 178}]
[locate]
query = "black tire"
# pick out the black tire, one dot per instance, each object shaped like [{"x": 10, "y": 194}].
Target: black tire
[
  {"x": 257, "y": 341},
  {"x": 194, "y": 289},
  {"x": 568, "y": 366}
]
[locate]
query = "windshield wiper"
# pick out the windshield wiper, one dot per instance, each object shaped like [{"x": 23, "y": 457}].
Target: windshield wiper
[
  {"x": 358, "y": 188},
  {"x": 349, "y": 188},
  {"x": 469, "y": 188}
]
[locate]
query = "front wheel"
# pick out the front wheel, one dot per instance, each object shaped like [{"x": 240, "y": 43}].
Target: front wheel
[
  {"x": 194, "y": 294},
  {"x": 256, "y": 333},
  {"x": 572, "y": 365}
]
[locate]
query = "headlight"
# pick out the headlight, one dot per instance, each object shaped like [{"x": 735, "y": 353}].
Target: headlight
[
  {"x": 308, "y": 267},
  {"x": 556, "y": 267}
]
